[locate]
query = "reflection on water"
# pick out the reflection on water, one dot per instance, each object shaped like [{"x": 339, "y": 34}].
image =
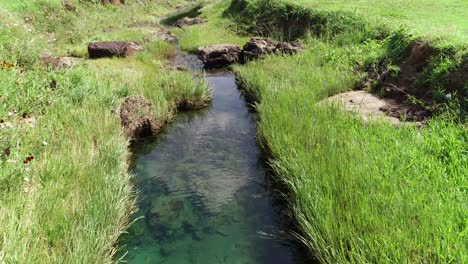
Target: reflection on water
[{"x": 202, "y": 193}]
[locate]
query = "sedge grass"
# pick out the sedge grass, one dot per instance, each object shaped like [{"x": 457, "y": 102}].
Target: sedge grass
[{"x": 359, "y": 192}]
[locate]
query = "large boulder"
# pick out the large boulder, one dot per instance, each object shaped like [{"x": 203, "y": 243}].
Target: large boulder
[
  {"x": 258, "y": 48},
  {"x": 108, "y": 49},
  {"x": 219, "y": 56},
  {"x": 185, "y": 22}
]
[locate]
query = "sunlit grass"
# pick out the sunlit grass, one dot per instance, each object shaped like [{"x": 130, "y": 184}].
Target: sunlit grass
[
  {"x": 65, "y": 189},
  {"x": 360, "y": 192},
  {"x": 439, "y": 20}
]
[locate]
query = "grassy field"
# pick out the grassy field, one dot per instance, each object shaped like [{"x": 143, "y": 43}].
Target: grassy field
[
  {"x": 359, "y": 192},
  {"x": 65, "y": 188},
  {"x": 440, "y": 20}
]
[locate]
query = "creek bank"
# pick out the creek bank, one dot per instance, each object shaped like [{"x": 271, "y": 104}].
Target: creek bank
[
  {"x": 218, "y": 56},
  {"x": 413, "y": 82}
]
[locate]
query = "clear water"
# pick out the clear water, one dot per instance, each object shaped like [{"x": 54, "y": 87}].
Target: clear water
[{"x": 203, "y": 195}]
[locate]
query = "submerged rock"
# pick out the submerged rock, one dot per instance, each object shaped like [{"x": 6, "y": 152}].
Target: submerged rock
[
  {"x": 169, "y": 218},
  {"x": 185, "y": 22},
  {"x": 137, "y": 119},
  {"x": 109, "y": 49},
  {"x": 219, "y": 56},
  {"x": 260, "y": 47}
]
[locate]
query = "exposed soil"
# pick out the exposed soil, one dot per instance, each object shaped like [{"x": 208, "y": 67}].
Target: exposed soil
[
  {"x": 372, "y": 107},
  {"x": 457, "y": 81},
  {"x": 65, "y": 62},
  {"x": 137, "y": 118},
  {"x": 405, "y": 87},
  {"x": 410, "y": 71}
]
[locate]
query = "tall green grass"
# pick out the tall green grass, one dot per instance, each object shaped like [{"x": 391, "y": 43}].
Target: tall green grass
[
  {"x": 65, "y": 190},
  {"x": 439, "y": 20},
  {"x": 359, "y": 192}
]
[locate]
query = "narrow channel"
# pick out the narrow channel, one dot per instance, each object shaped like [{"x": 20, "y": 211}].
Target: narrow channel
[{"x": 203, "y": 190}]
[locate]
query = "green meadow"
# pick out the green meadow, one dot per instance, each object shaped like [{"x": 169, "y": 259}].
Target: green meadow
[{"x": 437, "y": 20}]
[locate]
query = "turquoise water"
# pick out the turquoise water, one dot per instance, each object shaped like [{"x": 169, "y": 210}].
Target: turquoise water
[{"x": 203, "y": 191}]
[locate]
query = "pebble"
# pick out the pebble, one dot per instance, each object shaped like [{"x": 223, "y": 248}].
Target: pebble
[{"x": 6, "y": 125}]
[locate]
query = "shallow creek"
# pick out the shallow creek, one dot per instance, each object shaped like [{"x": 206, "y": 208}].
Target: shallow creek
[{"x": 204, "y": 195}]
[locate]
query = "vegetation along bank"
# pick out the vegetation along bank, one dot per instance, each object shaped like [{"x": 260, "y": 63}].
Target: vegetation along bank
[
  {"x": 65, "y": 190},
  {"x": 359, "y": 190}
]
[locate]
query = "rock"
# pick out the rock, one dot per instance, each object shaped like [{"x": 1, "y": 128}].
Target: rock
[
  {"x": 136, "y": 118},
  {"x": 108, "y": 49},
  {"x": 65, "y": 62},
  {"x": 288, "y": 48},
  {"x": 167, "y": 218},
  {"x": 114, "y": 2},
  {"x": 162, "y": 34},
  {"x": 219, "y": 56},
  {"x": 258, "y": 48},
  {"x": 185, "y": 22}
]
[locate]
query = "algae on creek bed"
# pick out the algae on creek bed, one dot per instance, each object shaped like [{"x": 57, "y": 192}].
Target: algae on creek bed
[{"x": 200, "y": 199}]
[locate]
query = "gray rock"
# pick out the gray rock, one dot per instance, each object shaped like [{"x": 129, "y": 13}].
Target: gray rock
[
  {"x": 258, "y": 48},
  {"x": 219, "y": 56}
]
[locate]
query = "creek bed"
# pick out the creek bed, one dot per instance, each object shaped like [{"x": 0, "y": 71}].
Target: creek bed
[{"x": 204, "y": 195}]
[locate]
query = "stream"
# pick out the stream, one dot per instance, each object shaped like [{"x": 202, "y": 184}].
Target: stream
[{"x": 204, "y": 195}]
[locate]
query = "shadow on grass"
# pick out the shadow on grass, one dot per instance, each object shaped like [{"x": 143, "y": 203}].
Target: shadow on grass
[{"x": 191, "y": 12}]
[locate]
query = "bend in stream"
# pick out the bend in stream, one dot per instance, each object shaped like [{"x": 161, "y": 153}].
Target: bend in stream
[{"x": 203, "y": 189}]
